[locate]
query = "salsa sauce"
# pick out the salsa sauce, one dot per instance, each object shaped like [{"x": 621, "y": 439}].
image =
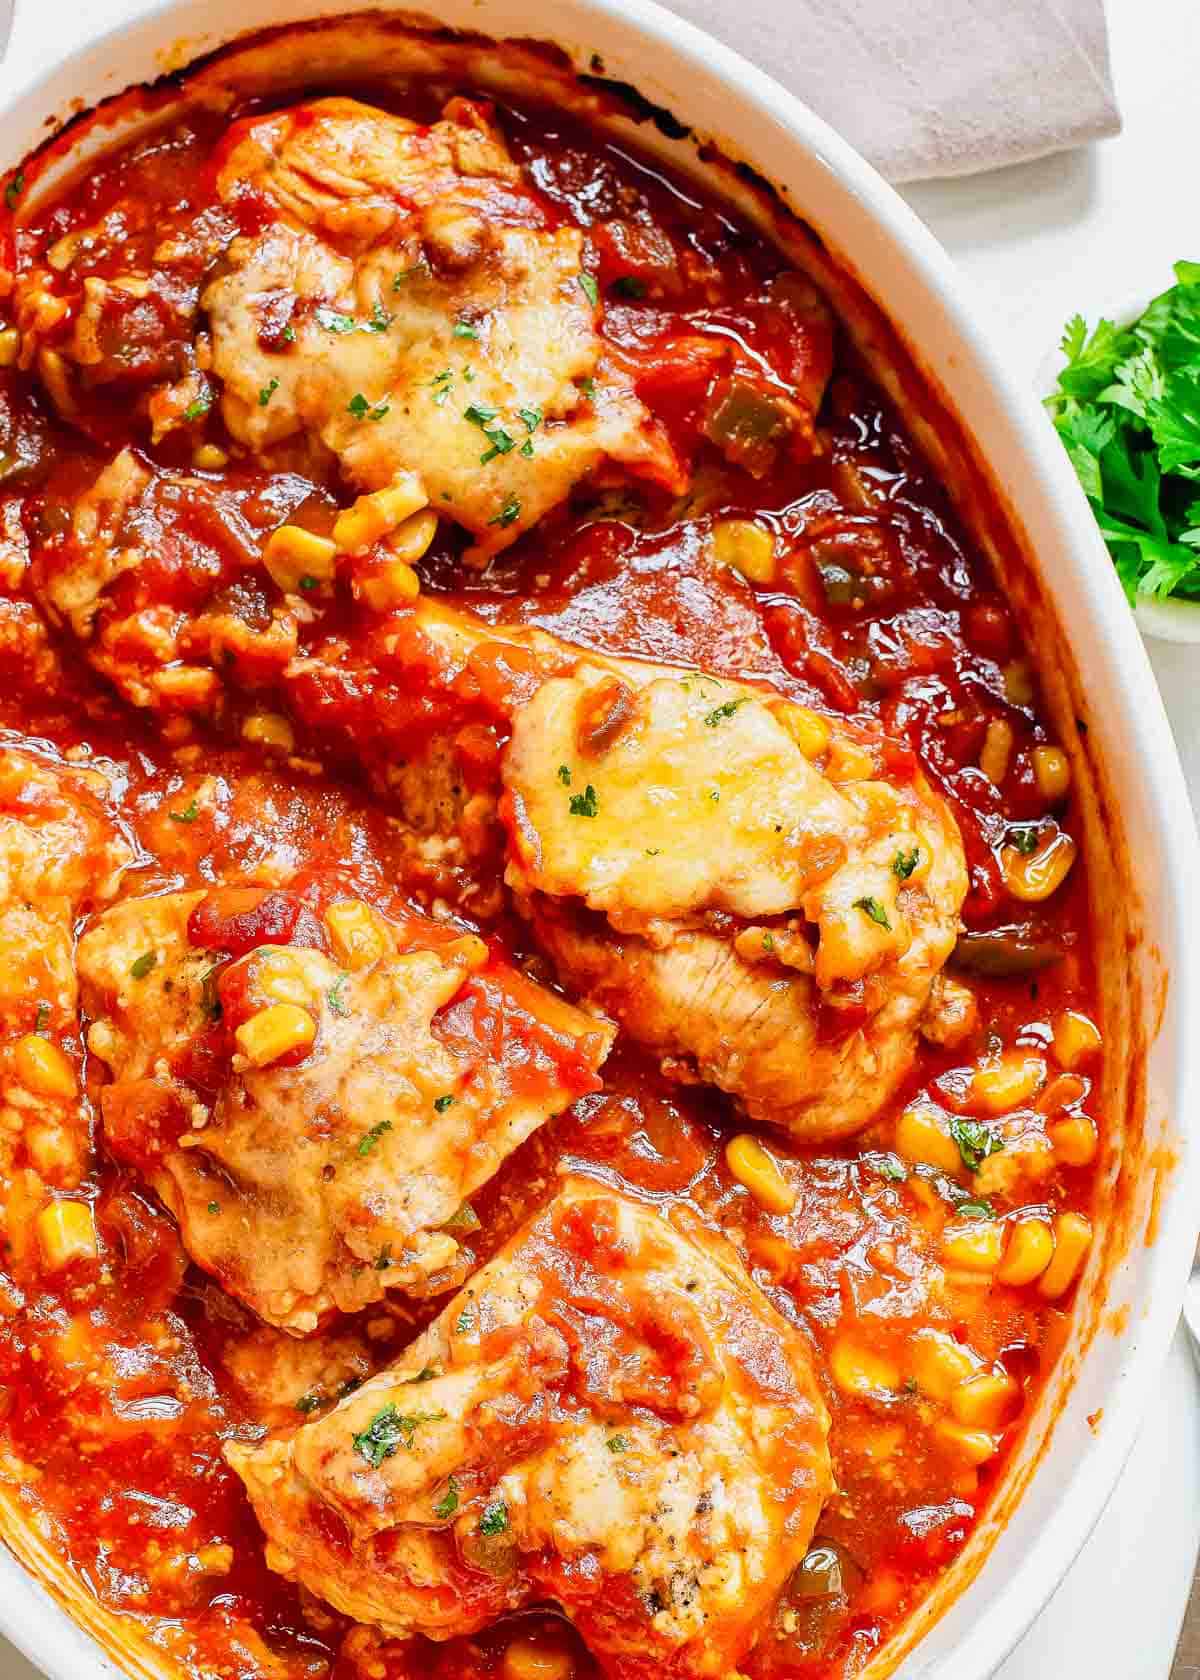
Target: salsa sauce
[{"x": 122, "y": 1379}]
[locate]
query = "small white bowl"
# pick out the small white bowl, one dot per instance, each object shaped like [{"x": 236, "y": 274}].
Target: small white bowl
[{"x": 1163, "y": 618}]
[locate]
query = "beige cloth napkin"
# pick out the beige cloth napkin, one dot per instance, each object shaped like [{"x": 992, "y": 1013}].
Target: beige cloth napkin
[{"x": 933, "y": 87}]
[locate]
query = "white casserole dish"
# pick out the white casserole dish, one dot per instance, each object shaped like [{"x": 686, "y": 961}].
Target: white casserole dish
[{"x": 874, "y": 255}]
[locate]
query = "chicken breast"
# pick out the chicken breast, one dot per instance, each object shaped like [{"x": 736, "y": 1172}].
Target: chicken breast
[
  {"x": 762, "y": 894},
  {"x": 764, "y": 880},
  {"x": 59, "y": 856},
  {"x": 315, "y": 1096},
  {"x": 609, "y": 1416},
  {"x": 406, "y": 302}
]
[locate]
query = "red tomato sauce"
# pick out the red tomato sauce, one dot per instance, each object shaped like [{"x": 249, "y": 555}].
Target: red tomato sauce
[{"x": 117, "y": 1379}]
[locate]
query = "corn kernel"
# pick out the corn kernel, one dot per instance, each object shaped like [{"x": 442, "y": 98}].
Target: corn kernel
[
  {"x": 354, "y": 931},
  {"x": 746, "y": 548},
  {"x": 293, "y": 555},
  {"x": 374, "y": 515},
  {"x": 1029, "y": 1250},
  {"x": 274, "y": 1032},
  {"x": 923, "y": 1139},
  {"x": 409, "y": 541},
  {"x": 939, "y": 1363},
  {"x": 210, "y": 457},
  {"x": 269, "y": 729},
  {"x": 996, "y": 753},
  {"x": 1051, "y": 772},
  {"x": 43, "y": 1068},
  {"x": 1072, "y": 1239},
  {"x": 10, "y": 346},
  {"x": 1073, "y": 1140},
  {"x": 66, "y": 1231},
  {"x": 975, "y": 1445},
  {"x": 807, "y": 728},
  {"x": 390, "y": 587},
  {"x": 858, "y": 1369},
  {"x": 1034, "y": 876},
  {"x": 1010, "y": 1082},
  {"x": 470, "y": 951},
  {"x": 1018, "y": 684},
  {"x": 974, "y": 1244},
  {"x": 537, "y": 1657},
  {"x": 1076, "y": 1037},
  {"x": 752, "y": 1166},
  {"x": 985, "y": 1401}
]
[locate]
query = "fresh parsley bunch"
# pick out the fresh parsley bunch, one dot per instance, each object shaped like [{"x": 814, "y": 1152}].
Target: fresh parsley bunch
[{"x": 1127, "y": 408}]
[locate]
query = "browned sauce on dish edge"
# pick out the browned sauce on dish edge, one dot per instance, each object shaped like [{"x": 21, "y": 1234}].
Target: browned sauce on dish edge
[{"x": 121, "y": 1373}]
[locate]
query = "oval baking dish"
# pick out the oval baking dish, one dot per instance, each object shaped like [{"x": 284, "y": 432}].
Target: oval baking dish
[{"x": 666, "y": 97}]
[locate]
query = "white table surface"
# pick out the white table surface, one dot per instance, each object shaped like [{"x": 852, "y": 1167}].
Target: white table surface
[
  {"x": 1081, "y": 231},
  {"x": 1086, "y": 231}
]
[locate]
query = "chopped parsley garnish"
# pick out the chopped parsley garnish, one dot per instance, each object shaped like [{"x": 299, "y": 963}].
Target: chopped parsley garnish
[
  {"x": 500, "y": 440},
  {"x": 448, "y": 1503},
  {"x": 289, "y": 334},
  {"x": 590, "y": 290},
  {"x": 981, "y": 1209},
  {"x": 495, "y": 1518},
  {"x": 308, "y": 1402},
  {"x": 442, "y": 384},
  {"x": 531, "y": 416},
  {"x": 721, "y": 712},
  {"x": 143, "y": 965},
  {"x": 334, "y": 996},
  {"x": 198, "y": 406},
  {"x": 887, "y": 1166},
  {"x": 214, "y": 1207},
  {"x": 564, "y": 775},
  {"x": 14, "y": 189},
  {"x": 1127, "y": 409},
  {"x": 617, "y": 1443},
  {"x": 41, "y": 1018},
  {"x": 975, "y": 1142},
  {"x": 509, "y": 513},
  {"x": 188, "y": 815},
  {"x": 464, "y": 329},
  {"x": 465, "y": 1219},
  {"x": 464, "y": 1321},
  {"x": 267, "y": 392},
  {"x": 362, "y": 410},
  {"x": 904, "y": 863},
  {"x": 1024, "y": 837},
  {"x": 369, "y": 1139},
  {"x": 768, "y": 941},
  {"x": 380, "y": 320},
  {"x": 425, "y": 1374},
  {"x": 333, "y": 322},
  {"x": 872, "y": 909},
  {"x": 629, "y": 286},
  {"x": 418, "y": 271},
  {"x": 585, "y": 804},
  {"x": 588, "y": 386},
  {"x": 308, "y": 581},
  {"x": 389, "y": 1430},
  {"x": 441, "y": 1104}
]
